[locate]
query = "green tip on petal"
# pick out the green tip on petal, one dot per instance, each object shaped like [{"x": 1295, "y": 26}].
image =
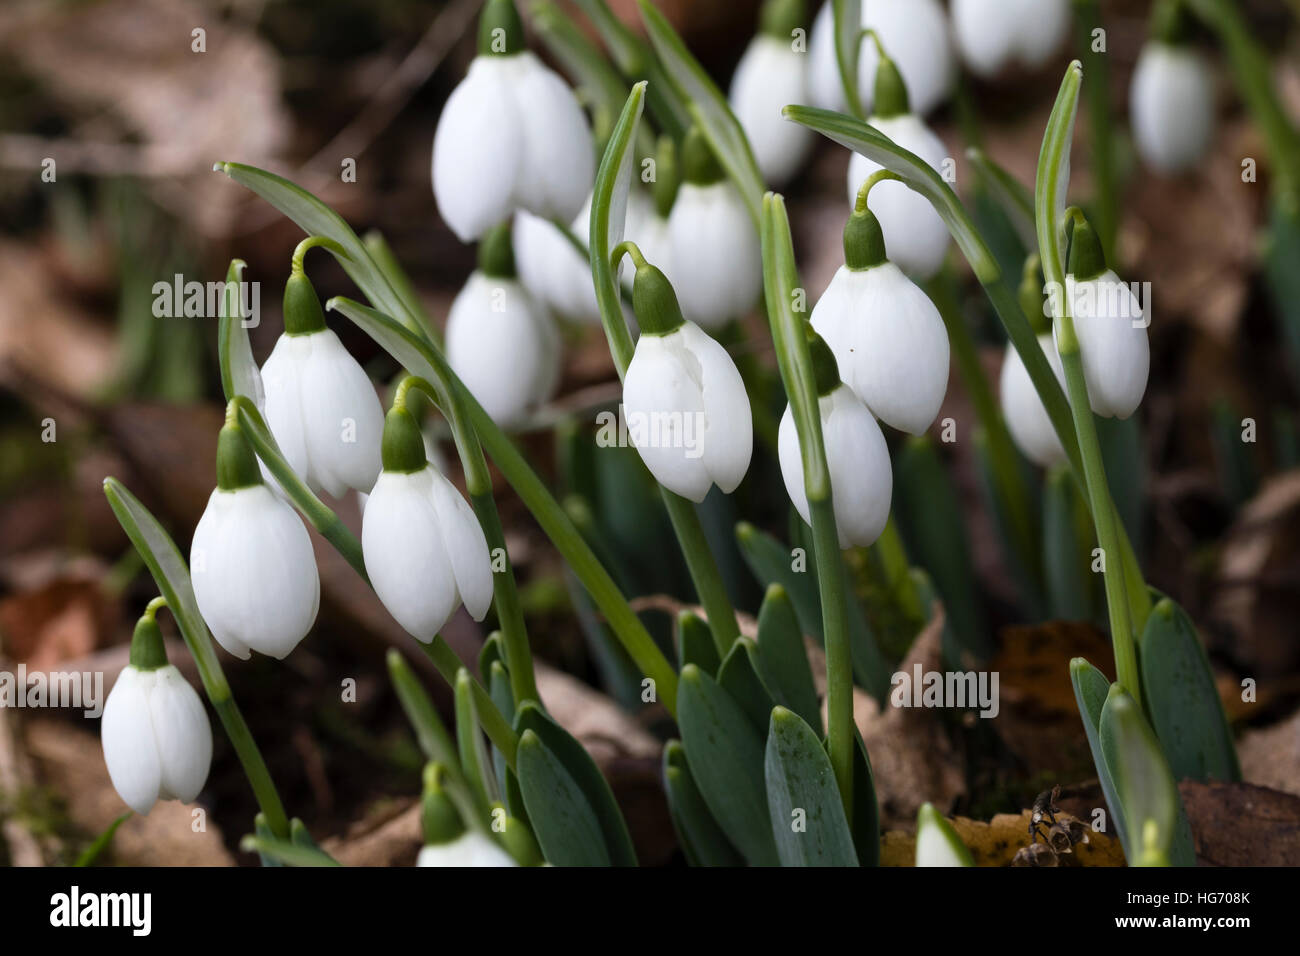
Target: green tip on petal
[
  {"x": 699, "y": 164},
  {"x": 302, "y": 311},
  {"x": 147, "y": 650},
  {"x": 402, "y": 448},
  {"x": 496, "y": 253},
  {"x": 1087, "y": 260},
  {"x": 780, "y": 18},
  {"x": 438, "y": 817},
  {"x": 236, "y": 463},
  {"x": 500, "y": 30}
]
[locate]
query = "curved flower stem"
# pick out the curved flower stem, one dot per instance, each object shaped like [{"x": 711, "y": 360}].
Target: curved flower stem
[
  {"x": 478, "y": 482},
  {"x": 780, "y": 279},
  {"x": 311, "y": 242}
]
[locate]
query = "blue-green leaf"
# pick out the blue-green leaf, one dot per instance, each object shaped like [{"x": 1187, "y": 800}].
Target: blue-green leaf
[
  {"x": 739, "y": 677},
  {"x": 808, "y": 822},
  {"x": 564, "y": 820},
  {"x": 695, "y": 644},
  {"x": 702, "y": 839},
  {"x": 782, "y": 658}
]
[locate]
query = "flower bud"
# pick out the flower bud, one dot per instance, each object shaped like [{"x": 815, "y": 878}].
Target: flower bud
[{"x": 992, "y": 35}]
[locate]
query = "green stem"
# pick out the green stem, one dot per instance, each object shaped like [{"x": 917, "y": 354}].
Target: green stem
[
  {"x": 839, "y": 655},
  {"x": 311, "y": 242},
  {"x": 1100, "y": 125},
  {"x": 494, "y": 722}
]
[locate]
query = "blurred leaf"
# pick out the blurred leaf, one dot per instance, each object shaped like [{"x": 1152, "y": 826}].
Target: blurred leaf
[
  {"x": 937, "y": 843},
  {"x": 1071, "y": 584}
]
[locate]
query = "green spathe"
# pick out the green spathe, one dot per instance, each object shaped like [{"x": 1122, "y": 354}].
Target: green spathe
[
  {"x": 500, "y": 30},
  {"x": 147, "y": 651},
  {"x": 302, "y": 311},
  {"x": 403, "y": 442},
  {"x": 236, "y": 463}
]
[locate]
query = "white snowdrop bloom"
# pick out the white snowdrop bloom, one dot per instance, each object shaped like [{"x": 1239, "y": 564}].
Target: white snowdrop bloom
[
  {"x": 771, "y": 75},
  {"x": 888, "y": 338},
  {"x": 1027, "y": 419},
  {"x": 915, "y": 34},
  {"x": 1110, "y": 323},
  {"x": 511, "y": 136},
  {"x": 684, "y": 401},
  {"x": 500, "y": 342},
  {"x": 424, "y": 549},
  {"x": 937, "y": 843},
  {"x": 155, "y": 733},
  {"x": 857, "y": 457},
  {"x": 994, "y": 34},
  {"x": 251, "y": 560},
  {"x": 553, "y": 270},
  {"x": 715, "y": 258},
  {"x": 1171, "y": 101},
  {"x": 321, "y": 406},
  {"x": 471, "y": 848}
]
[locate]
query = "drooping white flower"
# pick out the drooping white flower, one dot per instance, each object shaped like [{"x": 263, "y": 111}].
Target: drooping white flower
[
  {"x": 714, "y": 254},
  {"x": 471, "y": 848},
  {"x": 993, "y": 34},
  {"x": 886, "y": 334},
  {"x": 511, "y": 136},
  {"x": 937, "y": 843},
  {"x": 685, "y": 403},
  {"x": 156, "y": 736},
  {"x": 500, "y": 342},
  {"x": 321, "y": 406},
  {"x": 1171, "y": 100},
  {"x": 772, "y": 74},
  {"x": 857, "y": 458},
  {"x": 251, "y": 560},
  {"x": 915, "y": 34},
  {"x": 424, "y": 549},
  {"x": 1027, "y": 419}
]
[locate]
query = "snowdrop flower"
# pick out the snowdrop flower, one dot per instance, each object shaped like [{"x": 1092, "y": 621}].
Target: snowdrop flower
[
  {"x": 916, "y": 34},
  {"x": 320, "y": 405},
  {"x": 500, "y": 342},
  {"x": 251, "y": 560},
  {"x": 1111, "y": 326},
  {"x": 993, "y": 34},
  {"x": 156, "y": 736},
  {"x": 425, "y": 552},
  {"x": 1027, "y": 420},
  {"x": 887, "y": 336},
  {"x": 715, "y": 257},
  {"x": 771, "y": 74},
  {"x": 446, "y": 841},
  {"x": 937, "y": 843},
  {"x": 685, "y": 403},
  {"x": 1171, "y": 98},
  {"x": 511, "y": 136},
  {"x": 857, "y": 457},
  {"x": 917, "y": 236}
]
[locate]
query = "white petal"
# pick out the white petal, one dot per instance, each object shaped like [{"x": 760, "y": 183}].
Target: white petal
[
  {"x": 889, "y": 341},
  {"x": 469, "y": 849},
  {"x": 254, "y": 572},
  {"x": 478, "y": 150},
  {"x": 769, "y": 77},
  {"x": 503, "y": 346},
  {"x": 183, "y": 735},
  {"x": 992, "y": 34},
  {"x": 1026, "y": 417},
  {"x": 282, "y": 378},
  {"x": 559, "y": 160},
  {"x": 465, "y": 544},
  {"x": 862, "y": 479},
  {"x": 791, "y": 460},
  {"x": 1172, "y": 102},
  {"x": 1111, "y": 327},
  {"x": 406, "y": 559},
  {"x": 933, "y": 846},
  {"x": 915, "y": 35},
  {"x": 343, "y": 419},
  {"x": 825, "y": 89},
  {"x": 663, "y": 404},
  {"x": 716, "y": 260},
  {"x": 127, "y": 735},
  {"x": 916, "y": 239},
  {"x": 728, "y": 440}
]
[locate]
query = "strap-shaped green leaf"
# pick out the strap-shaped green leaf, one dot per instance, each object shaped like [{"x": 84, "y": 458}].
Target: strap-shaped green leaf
[
  {"x": 866, "y": 808},
  {"x": 695, "y": 644},
  {"x": 1067, "y": 541},
  {"x": 702, "y": 839},
  {"x": 1090, "y": 691},
  {"x": 1014, "y": 197},
  {"x": 586, "y": 776},
  {"x": 782, "y": 658},
  {"x": 239, "y": 373},
  {"x": 846, "y": 16},
  {"x": 739, "y": 677},
  {"x": 563, "y": 820},
  {"x": 1181, "y": 698},
  {"x": 725, "y": 755},
  {"x": 708, "y": 107},
  {"x": 471, "y": 745},
  {"x": 808, "y": 822}
]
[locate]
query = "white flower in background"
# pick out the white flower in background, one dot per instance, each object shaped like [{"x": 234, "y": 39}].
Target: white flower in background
[
  {"x": 915, "y": 32},
  {"x": 684, "y": 401},
  {"x": 886, "y": 334},
  {"x": 1111, "y": 325},
  {"x": 915, "y": 232},
  {"x": 500, "y": 342},
  {"x": 1027, "y": 419},
  {"x": 994, "y": 34},
  {"x": 320, "y": 405},
  {"x": 251, "y": 560},
  {"x": 471, "y": 848},
  {"x": 511, "y": 136},
  {"x": 857, "y": 458},
  {"x": 156, "y": 736},
  {"x": 424, "y": 549},
  {"x": 937, "y": 843},
  {"x": 716, "y": 262},
  {"x": 771, "y": 75},
  {"x": 1172, "y": 105}
]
